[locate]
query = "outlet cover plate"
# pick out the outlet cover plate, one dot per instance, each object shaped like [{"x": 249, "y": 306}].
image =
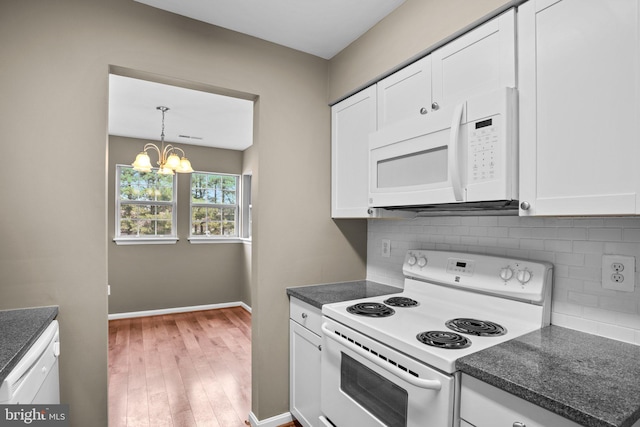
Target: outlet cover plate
[
  {"x": 386, "y": 248},
  {"x": 628, "y": 272}
]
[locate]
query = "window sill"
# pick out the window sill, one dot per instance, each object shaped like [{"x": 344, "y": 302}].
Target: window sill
[
  {"x": 145, "y": 240},
  {"x": 206, "y": 240}
]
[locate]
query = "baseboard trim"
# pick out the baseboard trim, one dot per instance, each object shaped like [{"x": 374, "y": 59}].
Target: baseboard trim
[
  {"x": 178, "y": 310},
  {"x": 274, "y": 421}
]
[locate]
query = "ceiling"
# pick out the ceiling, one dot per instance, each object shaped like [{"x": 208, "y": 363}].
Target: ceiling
[
  {"x": 318, "y": 27},
  {"x": 194, "y": 117}
]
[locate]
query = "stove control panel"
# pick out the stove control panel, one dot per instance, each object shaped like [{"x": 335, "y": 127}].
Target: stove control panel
[
  {"x": 460, "y": 266},
  {"x": 507, "y": 277}
]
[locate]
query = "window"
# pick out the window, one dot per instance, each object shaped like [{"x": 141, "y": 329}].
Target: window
[
  {"x": 214, "y": 205},
  {"x": 245, "y": 210},
  {"x": 145, "y": 206}
]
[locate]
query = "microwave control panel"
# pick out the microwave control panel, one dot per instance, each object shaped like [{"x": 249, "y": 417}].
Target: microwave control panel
[{"x": 483, "y": 146}]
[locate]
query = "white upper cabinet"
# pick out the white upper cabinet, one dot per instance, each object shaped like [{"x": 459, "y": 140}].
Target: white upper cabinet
[
  {"x": 480, "y": 61},
  {"x": 405, "y": 94},
  {"x": 579, "y": 107},
  {"x": 352, "y": 120}
]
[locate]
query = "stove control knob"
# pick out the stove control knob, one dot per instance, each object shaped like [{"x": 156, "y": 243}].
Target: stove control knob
[
  {"x": 506, "y": 273},
  {"x": 422, "y": 261},
  {"x": 412, "y": 260},
  {"x": 524, "y": 276}
]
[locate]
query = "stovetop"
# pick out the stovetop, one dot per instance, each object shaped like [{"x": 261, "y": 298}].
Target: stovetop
[{"x": 478, "y": 294}]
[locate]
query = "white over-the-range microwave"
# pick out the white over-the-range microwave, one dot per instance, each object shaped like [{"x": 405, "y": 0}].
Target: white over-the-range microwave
[{"x": 460, "y": 157}]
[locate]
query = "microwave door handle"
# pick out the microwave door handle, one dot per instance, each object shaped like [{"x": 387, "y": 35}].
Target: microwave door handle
[
  {"x": 454, "y": 152},
  {"x": 418, "y": 382}
]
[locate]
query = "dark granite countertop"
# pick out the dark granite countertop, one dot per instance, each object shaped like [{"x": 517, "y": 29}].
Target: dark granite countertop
[
  {"x": 317, "y": 295},
  {"x": 19, "y": 329},
  {"x": 591, "y": 380}
]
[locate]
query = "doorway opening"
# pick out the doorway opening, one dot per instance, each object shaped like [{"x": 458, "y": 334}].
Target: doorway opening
[{"x": 189, "y": 297}]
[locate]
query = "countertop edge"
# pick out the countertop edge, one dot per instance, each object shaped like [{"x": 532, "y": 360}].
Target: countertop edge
[
  {"x": 49, "y": 313},
  {"x": 535, "y": 398},
  {"x": 479, "y": 366},
  {"x": 327, "y": 293}
]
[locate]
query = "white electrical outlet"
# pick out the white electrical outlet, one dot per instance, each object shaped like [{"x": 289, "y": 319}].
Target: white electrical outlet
[
  {"x": 619, "y": 272},
  {"x": 386, "y": 248}
]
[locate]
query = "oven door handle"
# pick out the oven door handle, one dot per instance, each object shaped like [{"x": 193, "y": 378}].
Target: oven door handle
[{"x": 418, "y": 382}]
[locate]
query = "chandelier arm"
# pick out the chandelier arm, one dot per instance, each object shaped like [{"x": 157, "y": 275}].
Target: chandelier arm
[
  {"x": 150, "y": 145},
  {"x": 166, "y": 150},
  {"x": 180, "y": 150}
]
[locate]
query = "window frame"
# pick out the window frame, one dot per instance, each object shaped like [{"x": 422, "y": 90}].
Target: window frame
[
  {"x": 197, "y": 238},
  {"x": 139, "y": 240}
]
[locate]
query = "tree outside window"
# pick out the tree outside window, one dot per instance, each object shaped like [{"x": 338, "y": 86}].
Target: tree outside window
[
  {"x": 214, "y": 205},
  {"x": 146, "y": 204}
]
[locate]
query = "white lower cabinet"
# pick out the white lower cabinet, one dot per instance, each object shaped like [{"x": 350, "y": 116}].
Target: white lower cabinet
[
  {"x": 304, "y": 362},
  {"x": 483, "y": 405}
]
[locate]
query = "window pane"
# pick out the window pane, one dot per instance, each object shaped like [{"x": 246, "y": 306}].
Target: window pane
[
  {"x": 214, "y": 190},
  {"x": 145, "y": 220},
  {"x": 229, "y": 222},
  {"x": 142, "y": 186}
]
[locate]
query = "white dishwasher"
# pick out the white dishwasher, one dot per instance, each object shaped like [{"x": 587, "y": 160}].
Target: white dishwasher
[{"x": 35, "y": 379}]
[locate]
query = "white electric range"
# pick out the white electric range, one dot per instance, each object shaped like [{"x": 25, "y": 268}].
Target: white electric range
[{"x": 390, "y": 360}]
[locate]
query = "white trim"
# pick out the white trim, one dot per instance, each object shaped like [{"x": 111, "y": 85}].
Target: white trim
[
  {"x": 145, "y": 240},
  {"x": 274, "y": 421},
  {"x": 178, "y": 310},
  {"x": 200, "y": 240}
]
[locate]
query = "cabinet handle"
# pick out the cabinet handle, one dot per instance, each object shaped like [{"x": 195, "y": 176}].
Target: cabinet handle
[
  {"x": 525, "y": 206},
  {"x": 423, "y": 111},
  {"x": 519, "y": 424},
  {"x": 304, "y": 315},
  {"x": 435, "y": 106},
  {"x": 454, "y": 152},
  {"x": 320, "y": 349}
]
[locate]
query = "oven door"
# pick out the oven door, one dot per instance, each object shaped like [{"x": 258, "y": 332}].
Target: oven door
[{"x": 366, "y": 384}]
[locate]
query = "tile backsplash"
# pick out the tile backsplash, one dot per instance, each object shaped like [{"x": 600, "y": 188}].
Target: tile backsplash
[{"x": 573, "y": 245}]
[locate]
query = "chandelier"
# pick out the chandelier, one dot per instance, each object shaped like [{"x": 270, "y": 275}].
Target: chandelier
[{"x": 168, "y": 160}]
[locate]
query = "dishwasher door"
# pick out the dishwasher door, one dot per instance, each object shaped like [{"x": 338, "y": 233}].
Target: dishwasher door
[{"x": 35, "y": 378}]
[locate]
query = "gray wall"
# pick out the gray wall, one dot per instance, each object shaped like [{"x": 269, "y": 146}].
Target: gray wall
[
  {"x": 53, "y": 114},
  {"x": 147, "y": 277},
  {"x": 409, "y": 30}
]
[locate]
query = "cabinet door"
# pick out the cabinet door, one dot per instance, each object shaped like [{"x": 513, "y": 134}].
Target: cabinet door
[
  {"x": 579, "y": 91},
  {"x": 405, "y": 94},
  {"x": 352, "y": 120},
  {"x": 480, "y": 61},
  {"x": 304, "y": 375}
]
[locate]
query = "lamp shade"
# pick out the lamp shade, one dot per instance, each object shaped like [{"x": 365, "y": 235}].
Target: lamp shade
[
  {"x": 142, "y": 162},
  {"x": 173, "y": 161},
  {"x": 185, "y": 166},
  {"x": 165, "y": 170}
]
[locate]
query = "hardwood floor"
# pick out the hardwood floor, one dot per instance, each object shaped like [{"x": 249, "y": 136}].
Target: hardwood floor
[{"x": 181, "y": 370}]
